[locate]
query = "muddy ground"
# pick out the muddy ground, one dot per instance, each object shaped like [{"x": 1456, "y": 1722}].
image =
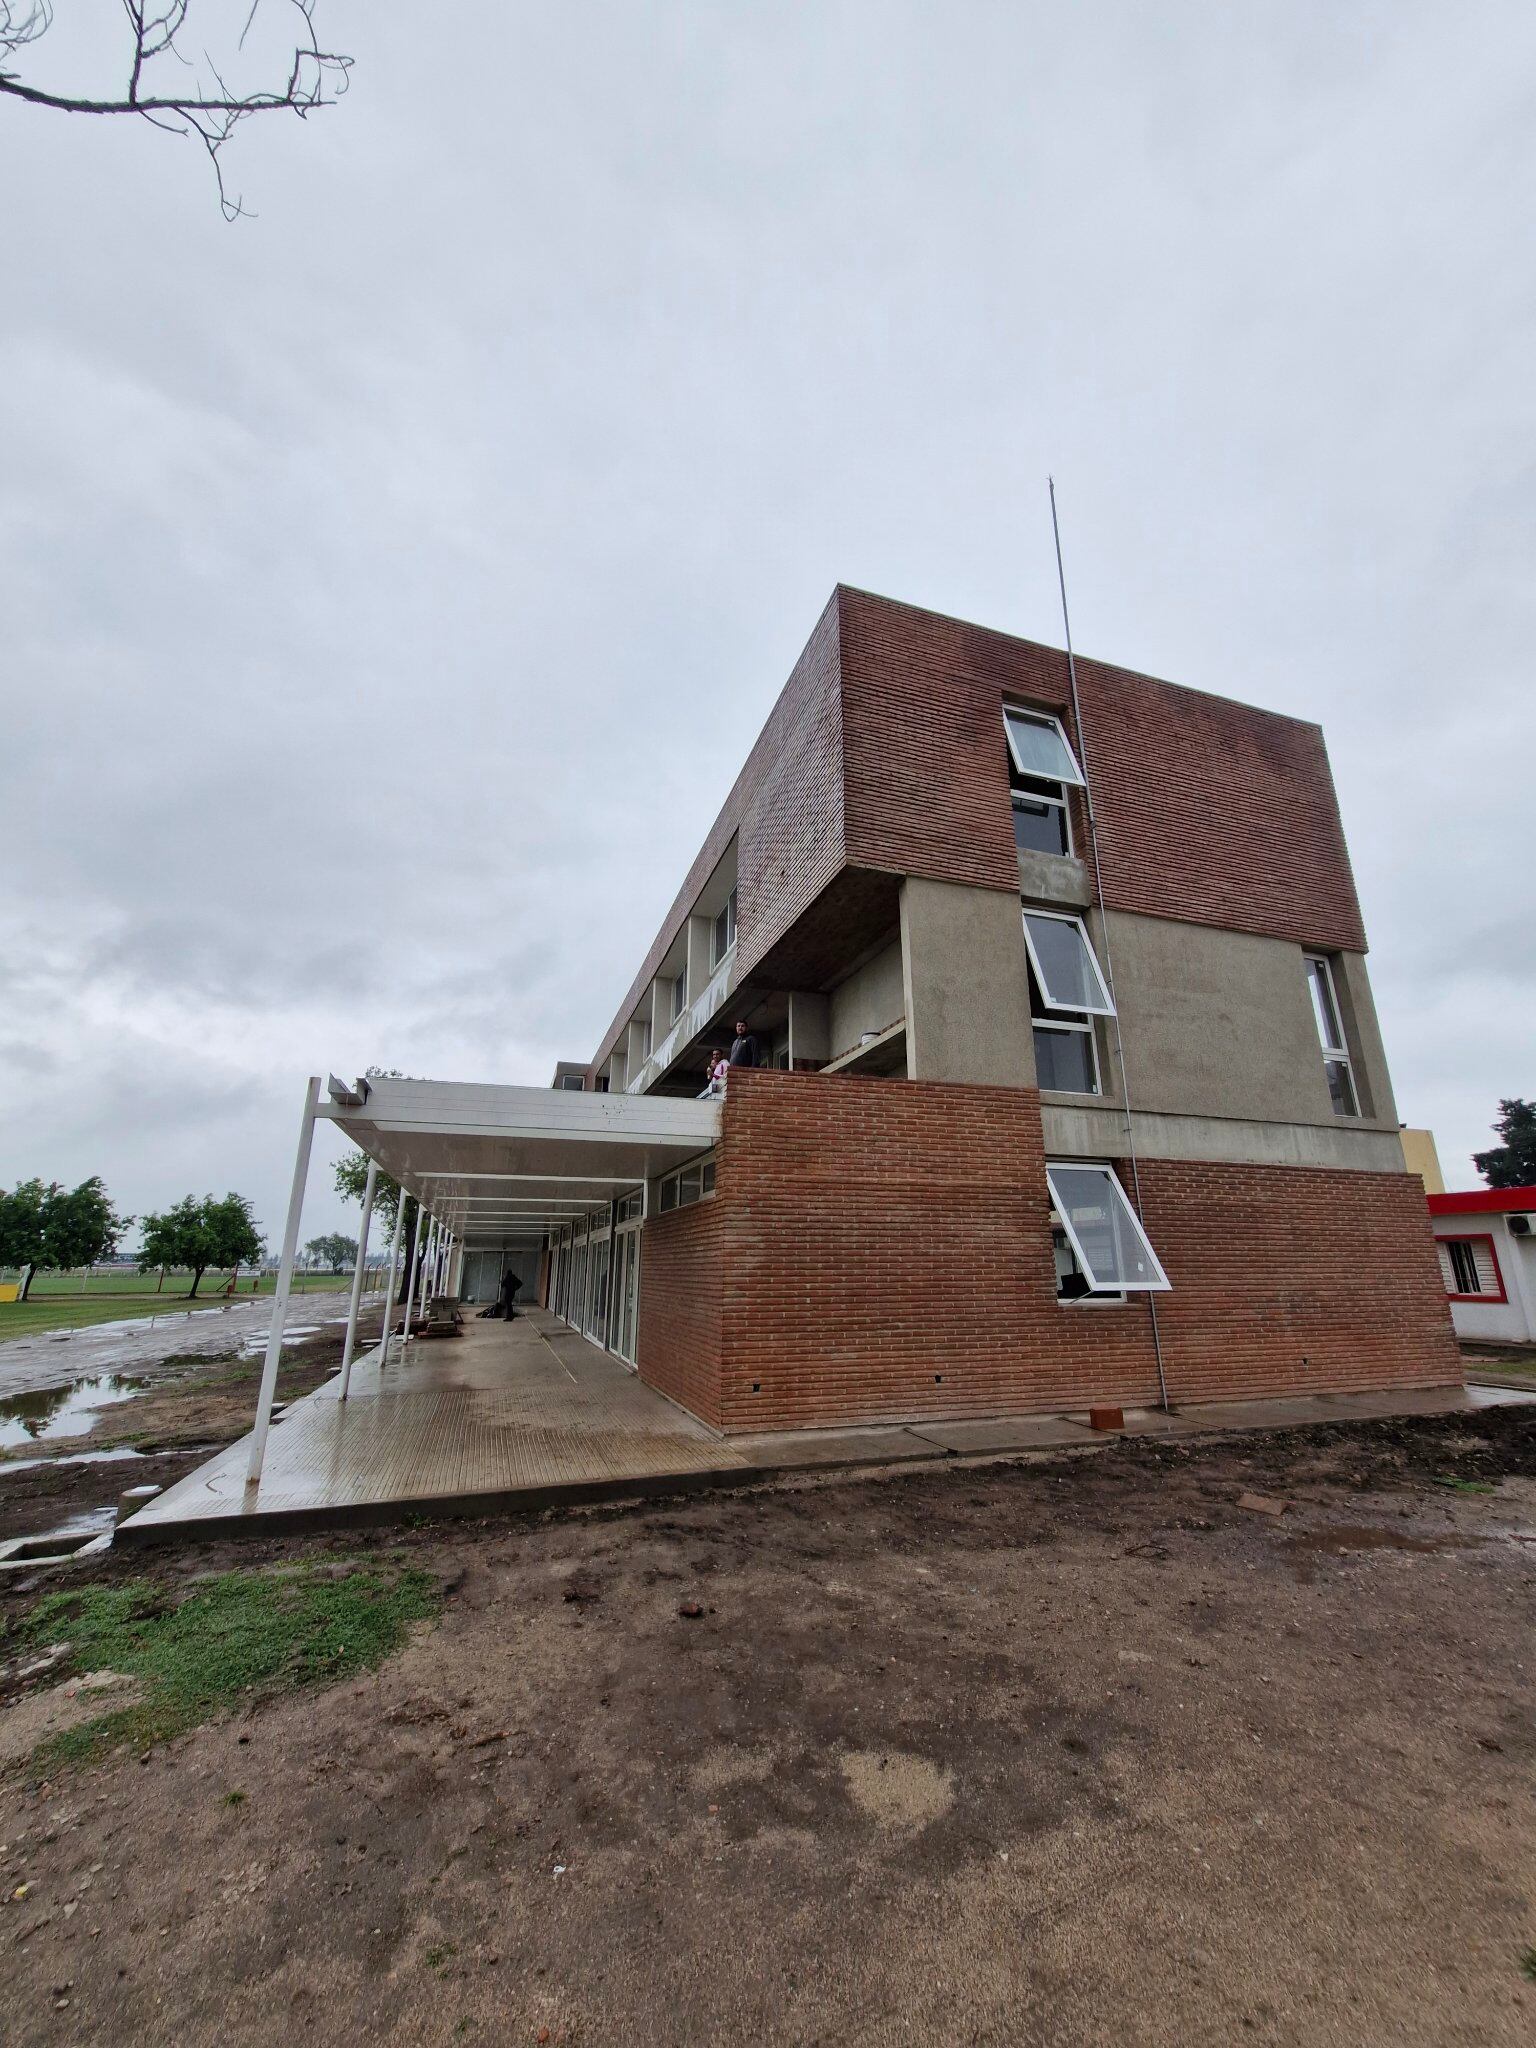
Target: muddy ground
[
  {"x": 184, "y": 1409},
  {"x": 1065, "y": 1750}
]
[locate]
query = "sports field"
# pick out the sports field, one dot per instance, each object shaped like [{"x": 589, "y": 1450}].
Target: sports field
[{"x": 58, "y": 1301}]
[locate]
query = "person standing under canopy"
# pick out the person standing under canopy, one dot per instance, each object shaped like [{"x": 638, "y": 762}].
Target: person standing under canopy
[{"x": 510, "y": 1285}]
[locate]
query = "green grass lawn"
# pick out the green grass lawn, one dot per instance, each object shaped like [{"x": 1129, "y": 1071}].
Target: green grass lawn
[
  {"x": 123, "y": 1280},
  {"x": 242, "y": 1634},
  {"x": 57, "y": 1307}
]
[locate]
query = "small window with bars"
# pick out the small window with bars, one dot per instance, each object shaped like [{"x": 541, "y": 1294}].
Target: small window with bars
[{"x": 1469, "y": 1266}]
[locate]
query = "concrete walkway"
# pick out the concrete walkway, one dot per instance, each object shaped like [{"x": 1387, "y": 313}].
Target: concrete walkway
[
  {"x": 532, "y": 1415},
  {"x": 522, "y": 1414}
]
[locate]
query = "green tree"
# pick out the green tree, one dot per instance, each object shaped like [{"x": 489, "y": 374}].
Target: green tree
[
  {"x": 44, "y": 1226},
  {"x": 80, "y": 1225},
  {"x": 23, "y": 1210},
  {"x": 1512, "y": 1164},
  {"x": 198, "y": 1234},
  {"x": 397, "y": 1208},
  {"x": 333, "y": 1250},
  {"x": 233, "y": 1237}
]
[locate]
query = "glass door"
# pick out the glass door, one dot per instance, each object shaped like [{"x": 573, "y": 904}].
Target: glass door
[
  {"x": 597, "y": 1292},
  {"x": 627, "y": 1302}
]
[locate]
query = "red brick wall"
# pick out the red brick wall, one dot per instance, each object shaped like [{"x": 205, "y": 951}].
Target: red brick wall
[
  {"x": 1296, "y": 1278},
  {"x": 1209, "y": 811},
  {"x": 884, "y": 754},
  {"x": 867, "y": 1236},
  {"x": 679, "y": 1339}
]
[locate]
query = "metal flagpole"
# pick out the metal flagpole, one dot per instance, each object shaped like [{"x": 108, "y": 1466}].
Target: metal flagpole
[
  {"x": 284, "y": 1286},
  {"x": 357, "y": 1277},
  {"x": 1098, "y": 890}
]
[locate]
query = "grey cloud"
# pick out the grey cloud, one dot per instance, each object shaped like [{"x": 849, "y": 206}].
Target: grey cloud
[{"x": 395, "y": 582}]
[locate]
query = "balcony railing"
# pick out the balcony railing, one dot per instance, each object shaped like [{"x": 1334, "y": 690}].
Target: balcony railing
[{"x": 701, "y": 1012}]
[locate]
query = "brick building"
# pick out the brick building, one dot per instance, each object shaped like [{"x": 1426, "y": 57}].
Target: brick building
[{"x": 1073, "y": 1088}]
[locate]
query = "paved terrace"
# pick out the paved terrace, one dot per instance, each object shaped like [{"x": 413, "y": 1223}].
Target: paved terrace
[{"x": 532, "y": 1415}]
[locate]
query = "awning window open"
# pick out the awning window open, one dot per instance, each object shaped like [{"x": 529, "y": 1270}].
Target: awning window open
[
  {"x": 1066, "y": 967},
  {"x": 1039, "y": 746},
  {"x": 1103, "y": 1229}
]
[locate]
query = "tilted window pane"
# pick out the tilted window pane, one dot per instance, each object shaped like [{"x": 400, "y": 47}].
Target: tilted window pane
[
  {"x": 1341, "y": 1087},
  {"x": 1064, "y": 1060},
  {"x": 1039, "y": 827},
  {"x": 1039, "y": 747},
  {"x": 1065, "y": 966},
  {"x": 1103, "y": 1228},
  {"x": 1324, "y": 1008}
]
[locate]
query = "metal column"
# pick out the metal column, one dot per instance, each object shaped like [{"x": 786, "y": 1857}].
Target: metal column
[
  {"x": 284, "y": 1287},
  {"x": 357, "y": 1278}
]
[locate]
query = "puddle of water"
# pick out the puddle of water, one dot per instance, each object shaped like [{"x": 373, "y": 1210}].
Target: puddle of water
[
  {"x": 1499, "y": 1397},
  {"x": 8, "y": 1465},
  {"x": 90, "y": 1522},
  {"x": 63, "y": 1411},
  {"x": 294, "y": 1334},
  {"x": 126, "y": 1323}
]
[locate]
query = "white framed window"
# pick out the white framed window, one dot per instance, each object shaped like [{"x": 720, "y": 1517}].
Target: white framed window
[
  {"x": 1469, "y": 1267},
  {"x": 1103, "y": 1230},
  {"x": 1042, "y": 819},
  {"x": 1330, "y": 1032},
  {"x": 679, "y": 995},
  {"x": 1067, "y": 970},
  {"x": 1039, "y": 747},
  {"x": 1071, "y": 1281},
  {"x": 723, "y": 932},
  {"x": 645, "y": 1038},
  {"x": 577, "y": 1081},
  {"x": 1066, "y": 1056}
]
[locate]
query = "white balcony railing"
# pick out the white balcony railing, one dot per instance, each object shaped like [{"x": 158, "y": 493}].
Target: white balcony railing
[{"x": 700, "y": 1013}]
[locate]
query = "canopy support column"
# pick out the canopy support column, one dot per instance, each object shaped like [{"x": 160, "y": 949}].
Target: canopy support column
[
  {"x": 357, "y": 1278},
  {"x": 410, "y": 1282},
  {"x": 284, "y": 1287},
  {"x": 394, "y": 1267}
]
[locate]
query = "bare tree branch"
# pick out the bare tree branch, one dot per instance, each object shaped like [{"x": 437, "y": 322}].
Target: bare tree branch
[{"x": 316, "y": 77}]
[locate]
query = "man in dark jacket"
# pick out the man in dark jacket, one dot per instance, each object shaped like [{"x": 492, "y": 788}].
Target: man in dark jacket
[
  {"x": 509, "y": 1289},
  {"x": 744, "y": 1048}
]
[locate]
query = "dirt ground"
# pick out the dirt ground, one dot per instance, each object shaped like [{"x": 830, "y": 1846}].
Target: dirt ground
[{"x": 1064, "y": 1750}]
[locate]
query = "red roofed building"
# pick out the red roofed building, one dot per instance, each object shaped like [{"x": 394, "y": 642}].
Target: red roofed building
[{"x": 1486, "y": 1238}]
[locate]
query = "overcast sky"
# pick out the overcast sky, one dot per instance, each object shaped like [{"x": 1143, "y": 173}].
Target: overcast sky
[{"x": 394, "y": 582}]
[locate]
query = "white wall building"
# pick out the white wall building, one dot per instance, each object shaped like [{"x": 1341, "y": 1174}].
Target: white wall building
[{"x": 1487, "y": 1243}]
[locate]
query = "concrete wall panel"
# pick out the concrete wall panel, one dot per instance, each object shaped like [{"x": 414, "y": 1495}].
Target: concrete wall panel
[{"x": 966, "y": 980}]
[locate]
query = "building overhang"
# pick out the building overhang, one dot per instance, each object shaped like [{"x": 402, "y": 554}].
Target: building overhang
[{"x": 493, "y": 1162}]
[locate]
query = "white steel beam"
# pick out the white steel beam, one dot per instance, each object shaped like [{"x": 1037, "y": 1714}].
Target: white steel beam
[
  {"x": 357, "y": 1278},
  {"x": 284, "y": 1288}
]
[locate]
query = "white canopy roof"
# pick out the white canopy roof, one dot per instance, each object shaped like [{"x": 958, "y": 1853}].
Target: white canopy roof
[{"x": 489, "y": 1162}]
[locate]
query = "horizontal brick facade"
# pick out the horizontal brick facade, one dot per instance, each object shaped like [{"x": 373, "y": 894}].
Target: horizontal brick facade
[
  {"x": 680, "y": 1336},
  {"x": 1209, "y": 811},
  {"x": 785, "y": 811},
  {"x": 884, "y": 756},
  {"x": 879, "y": 1250}
]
